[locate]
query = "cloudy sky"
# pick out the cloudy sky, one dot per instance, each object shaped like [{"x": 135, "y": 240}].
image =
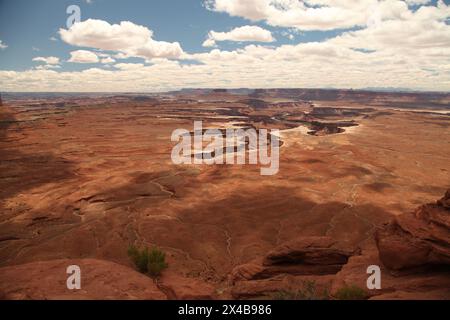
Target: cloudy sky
[{"x": 158, "y": 45}]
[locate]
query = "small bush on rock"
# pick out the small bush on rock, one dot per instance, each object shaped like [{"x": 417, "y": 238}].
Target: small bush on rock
[
  {"x": 352, "y": 292},
  {"x": 156, "y": 262},
  {"x": 309, "y": 291},
  {"x": 152, "y": 262}
]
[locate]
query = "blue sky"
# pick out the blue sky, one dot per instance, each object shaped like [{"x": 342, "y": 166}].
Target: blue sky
[
  {"x": 27, "y": 26},
  {"x": 314, "y": 42}
]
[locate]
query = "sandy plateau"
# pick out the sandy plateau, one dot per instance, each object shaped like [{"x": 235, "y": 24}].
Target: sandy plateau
[{"x": 83, "y": 177}]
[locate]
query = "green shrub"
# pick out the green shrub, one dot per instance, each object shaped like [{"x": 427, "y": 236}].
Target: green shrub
[
  {"x": 351, "y": 292},
  {"x": 156, "y": 262},
  {"x": 152, "y": 262},
  {"x": 139, "y": 258},
  {"x": 308, "y": 292},
  {"x": 283, "y": 295}
]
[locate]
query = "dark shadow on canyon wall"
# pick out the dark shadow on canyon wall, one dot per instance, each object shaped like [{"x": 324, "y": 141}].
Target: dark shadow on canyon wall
[
  {"x": 244, "y": 226},
  {"x": 217, "y": 230},
  {"x": 21, "y": 171}
]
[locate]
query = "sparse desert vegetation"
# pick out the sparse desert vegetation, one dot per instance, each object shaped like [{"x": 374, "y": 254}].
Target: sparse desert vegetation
[
  {"x": 351, "y": 292},
  {"x": 151, "y": 262},
  {"x": 309, "y": 291}
]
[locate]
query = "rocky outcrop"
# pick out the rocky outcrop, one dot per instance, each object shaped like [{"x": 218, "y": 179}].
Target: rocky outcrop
[
  {"x": 283, "y": 284},
  {"x": 310, "y": 251},
  {"x": 413, "y": 252},
  {"x": 422, "y": 285},
  {"x": 182, "y": 288},
  {"x": 248, "y": 271},
  {"x": 303, "y": 256},
  {"x": 445, "y": 201},
  {"x": 100, "y": 279},
  {"x": 417, "y": 239},
  {"x": 290, "y": 267}
]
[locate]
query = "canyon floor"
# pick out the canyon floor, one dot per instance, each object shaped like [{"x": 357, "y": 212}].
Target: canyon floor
[{"x": 82, "y": 178}]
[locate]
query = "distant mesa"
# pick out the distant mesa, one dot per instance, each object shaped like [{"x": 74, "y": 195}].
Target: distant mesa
[{"x": 255, "y": 103}]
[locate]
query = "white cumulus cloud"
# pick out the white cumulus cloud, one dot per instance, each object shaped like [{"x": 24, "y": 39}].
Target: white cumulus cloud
[
  {"x": 83, "y": 56},
  {"x": 304, "y": 15},
  {"x": 2, "y": 45},
  {"x": 107, "y": 60},
  {"x": 129, "y": 66},
  {"x": 310, "y": 15},
  {"x": 47, "y": 60},
  {"x": 241, "y": 34},
  {"x": 127, "y": 38}
]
